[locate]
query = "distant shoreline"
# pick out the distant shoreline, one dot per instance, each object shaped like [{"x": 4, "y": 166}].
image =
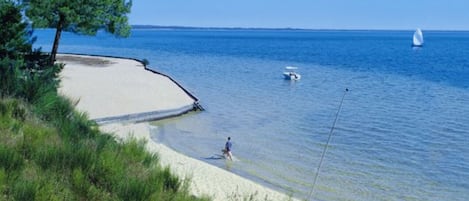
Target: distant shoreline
[{"x": 274, "y": 29}]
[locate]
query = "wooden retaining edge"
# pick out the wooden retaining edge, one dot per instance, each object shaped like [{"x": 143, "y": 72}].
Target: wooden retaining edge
[
  {"x": 152, "y": 115},
  {"x": 197, "y": 105},
  {"x": 145, "y": 116}
]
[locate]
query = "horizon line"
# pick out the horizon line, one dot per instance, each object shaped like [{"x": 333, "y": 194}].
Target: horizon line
[{"x": 146, "y": 26}]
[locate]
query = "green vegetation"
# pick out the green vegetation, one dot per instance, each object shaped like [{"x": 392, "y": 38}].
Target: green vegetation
[
  {"x": 82, "y": 17},
  {"x": 67, "y": 158},
  {"x": 49, "y": 151},
  {"x": 23, "y": 73},
  {"x": 145, "y": 62}
]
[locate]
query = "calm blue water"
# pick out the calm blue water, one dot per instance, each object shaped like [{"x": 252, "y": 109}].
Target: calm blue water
[{"x": 402, "y": 134}]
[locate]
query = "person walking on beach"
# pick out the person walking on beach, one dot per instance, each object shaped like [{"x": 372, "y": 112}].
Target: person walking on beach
[{"x": 227, "y": 150}]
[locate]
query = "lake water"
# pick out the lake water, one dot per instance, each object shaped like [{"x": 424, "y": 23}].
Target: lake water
[{"x": 402, "y": 133}]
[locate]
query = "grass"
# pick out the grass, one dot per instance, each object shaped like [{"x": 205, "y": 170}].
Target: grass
[
  {"x": 48, "y": 150},
  {"x": 235, "y": 196},
  {"x": 51, "y": 152}
]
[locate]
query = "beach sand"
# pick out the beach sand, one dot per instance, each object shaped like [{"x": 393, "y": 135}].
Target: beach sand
[
  {"x": 107, "y": 87},
  {"x": 112, "y": 87}
]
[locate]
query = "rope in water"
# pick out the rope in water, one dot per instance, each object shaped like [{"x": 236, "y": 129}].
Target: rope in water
[{"x": 327, "y": 144}]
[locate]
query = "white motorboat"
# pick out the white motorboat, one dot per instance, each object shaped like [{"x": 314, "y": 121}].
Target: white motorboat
[
  {"x": 290, "y": 73},
  {"x": 417, "y": 40}
]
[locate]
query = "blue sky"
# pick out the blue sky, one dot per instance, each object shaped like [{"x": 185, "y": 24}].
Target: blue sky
[{"x": 314, "y": 14}]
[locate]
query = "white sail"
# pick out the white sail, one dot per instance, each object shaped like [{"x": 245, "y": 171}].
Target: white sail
[{"x": 418, "y": 38}]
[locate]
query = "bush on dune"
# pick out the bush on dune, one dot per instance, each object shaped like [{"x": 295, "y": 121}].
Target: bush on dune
[{"x": 37, "y": 158}]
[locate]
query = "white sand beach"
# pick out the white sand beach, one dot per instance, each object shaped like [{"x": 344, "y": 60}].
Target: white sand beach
[{"x": 107, "y": 87}]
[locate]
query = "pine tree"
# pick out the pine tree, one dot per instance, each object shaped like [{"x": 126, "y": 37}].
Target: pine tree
[
  {"x": 79, "y": 16},
  {"x": 13, "y": 45}
]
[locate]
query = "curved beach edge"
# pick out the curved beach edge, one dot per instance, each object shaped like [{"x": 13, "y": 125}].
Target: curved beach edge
[
  {"x": 204, "y": 179},
  {"x": 112, "y": 90},
  {"x": 121, "y": 94}
]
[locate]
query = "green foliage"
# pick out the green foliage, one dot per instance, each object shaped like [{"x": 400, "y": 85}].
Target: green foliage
[
  {"x": 11, "y": 159},
  {"x": 42, "y": 162},
  {"x": 13, "y": 34},
  {"x": 49, "y": 151},
  {"x": 12, "y": 44},
  {"x": 24, "y": 189},
  {"x": 80, "y": 16},
  {"x": 13, "y": 108},
  {"x": 3, "y": 180},
  {"x": 145, "y": 62},
  {"x": 80, "y": 181},
  {"x": 9, "y": 73},
  {"x": 23, "y": 78},
  {"x": 23, "y": 72},
  {"x": 51, "y": 107},
  {"x": 83, "y": 17},
  {"x": 12, "y": 115},
  {"x": 34, "y": 85}
]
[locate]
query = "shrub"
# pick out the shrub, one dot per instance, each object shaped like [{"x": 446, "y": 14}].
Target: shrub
[
  {"x": 50, "y": 157},
  {"x": 12, "y": 113},
  {"x": 59, "y": 154},
  {"x": 10, "y": 75},
  {"x": 24, "y": 190},
  {"x": 80, "y": 181},
  {"x": 145, "y": 62},
  {"x": 10, "y": 159},
  {"x": 52, "y": 107}
]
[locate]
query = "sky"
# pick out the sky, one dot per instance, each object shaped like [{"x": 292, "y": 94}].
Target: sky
[{"x": 308, "y": 14}]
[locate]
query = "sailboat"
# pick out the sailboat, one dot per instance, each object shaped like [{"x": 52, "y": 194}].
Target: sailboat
[{"x": 418, "y": 39}]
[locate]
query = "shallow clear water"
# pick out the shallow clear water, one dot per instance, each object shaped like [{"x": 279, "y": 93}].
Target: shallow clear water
[{"x": 402, "y": 133}]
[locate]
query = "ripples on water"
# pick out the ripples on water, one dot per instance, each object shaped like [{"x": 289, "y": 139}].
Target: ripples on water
[{"x": 401, "y": 135}]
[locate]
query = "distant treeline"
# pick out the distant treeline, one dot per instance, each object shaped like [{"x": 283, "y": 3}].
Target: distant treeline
[
  {"x": 276, "y": 29},
  {"x": 207, "y": 28}
]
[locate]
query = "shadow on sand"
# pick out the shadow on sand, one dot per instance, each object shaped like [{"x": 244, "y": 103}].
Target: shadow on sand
[{"x": 215, "y": 157}]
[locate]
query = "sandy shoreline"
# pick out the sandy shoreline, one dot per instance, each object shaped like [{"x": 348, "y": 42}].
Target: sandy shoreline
[
  {"x": 119, "y": 88},
  {"x": 106, "y": 87}
]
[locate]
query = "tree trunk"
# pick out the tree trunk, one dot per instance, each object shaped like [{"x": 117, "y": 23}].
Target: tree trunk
[{"x": 58, "y": 32}]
